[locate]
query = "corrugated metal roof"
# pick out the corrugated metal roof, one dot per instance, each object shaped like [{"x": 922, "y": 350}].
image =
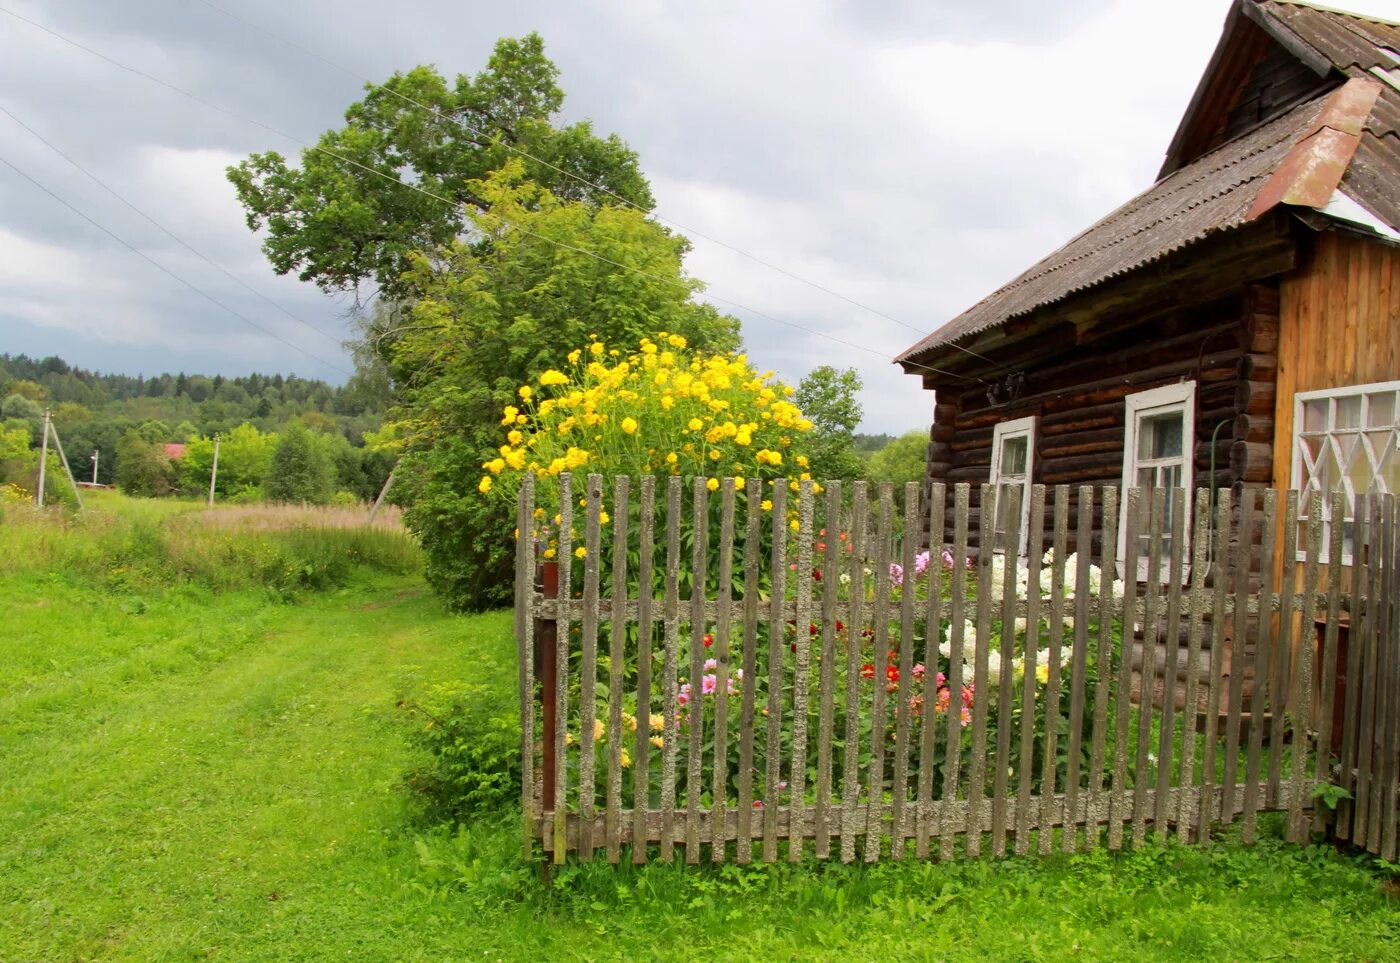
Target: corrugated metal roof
[{"x": 1214, "y": 192}]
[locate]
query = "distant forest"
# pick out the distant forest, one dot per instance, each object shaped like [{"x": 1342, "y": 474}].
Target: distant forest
[{"x": 94, "y": 412}]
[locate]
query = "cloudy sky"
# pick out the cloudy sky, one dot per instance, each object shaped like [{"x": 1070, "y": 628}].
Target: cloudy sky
[{"x": 909, "y": 154}]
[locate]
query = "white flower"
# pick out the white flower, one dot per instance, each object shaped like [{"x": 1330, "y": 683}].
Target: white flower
[
  {"x": 845, "y": 578},
  {"x": 969, "y": 639}
]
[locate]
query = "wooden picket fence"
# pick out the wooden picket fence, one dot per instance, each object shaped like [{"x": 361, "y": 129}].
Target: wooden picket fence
[{"x": 793, "y": 684}]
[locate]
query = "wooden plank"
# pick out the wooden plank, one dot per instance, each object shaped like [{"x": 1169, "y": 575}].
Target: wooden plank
[
  {"x": 1389, "y": 676},
  {"x": 1108, "y": 572},
  {"x": 561, "y": 666},
  {"x": 772, "y": 747},
  {"x": 695, "y": 710},
  {"x": 641, "y": 758},
  {"x": 525, "y": 652},
  {"x": 1052, "y": 685},
  {"x": 1208, "y": 810},
  {"x": 1284, "y": 677},
  {"x": 1261, "y": 704},
  {"x": 1382, "y": 771},
  {"x": 957, "y": 605},
  {"x": 977, "y": 771},
  {"x": 884, "y": 534},
  {"x": 617, "y": 659},
  {"x": 588, "y": 662},
  {"x": 928, "y": 736},
  {"x": 719, "y": 784},
  {"x": 1166, "y": 735},
  {"x": 1302, "y": 706},
  {"x": 797, "y": 767},
  {"x": 1078, "y": 663},
  {"x": 1327, "y": 671},
  {"x": 900, "y": 788},
  {"x": 831, "y": 583},
  {"x": 1375, "y": 630},
  {"x": 671, "y": 646},
  {"x": 850, "y": 754},
  {"x": 1122, "y": 704},
  {"x": 1187, "y": 816},
  {"x": 753, "y": 516},
  {"x": 1035, "y": 537},
  {"x": 1239, "y": 645},
  {"x": 1154, "y": 505},
  {"x": 1009, "y": 521},
  {"x": 1360, "y": 581}
]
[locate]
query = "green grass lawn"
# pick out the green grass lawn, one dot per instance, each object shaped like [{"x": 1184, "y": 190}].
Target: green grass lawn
[{"x": 187, "y": 774}]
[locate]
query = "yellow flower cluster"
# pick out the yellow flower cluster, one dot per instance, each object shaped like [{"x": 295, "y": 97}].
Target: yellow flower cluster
[{"x": 658, "y": 409}]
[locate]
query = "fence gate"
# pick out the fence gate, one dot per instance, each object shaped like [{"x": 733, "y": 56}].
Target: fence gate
[{"x": 755, "y": 672}]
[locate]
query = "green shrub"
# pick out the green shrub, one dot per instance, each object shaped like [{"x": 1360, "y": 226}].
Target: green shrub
[{"x": 472, "y": 732}]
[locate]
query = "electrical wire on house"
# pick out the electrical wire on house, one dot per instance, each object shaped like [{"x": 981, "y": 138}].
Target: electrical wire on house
[
  {"x": 166, "y": 231},
  {"x": 449, "y": 201},
  {"x": 601, "y": 188},
  {"x": 165, "y": 270}
]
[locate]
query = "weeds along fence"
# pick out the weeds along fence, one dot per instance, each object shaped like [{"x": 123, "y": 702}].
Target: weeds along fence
[{"x": 759, "y": 673}]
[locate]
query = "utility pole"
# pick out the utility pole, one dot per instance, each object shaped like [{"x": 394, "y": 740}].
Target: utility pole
[
  {"x": 94, "y": 468},
  {"x": 382, "y": 492},
  {"x": 63, "y": 460},
  {"x": 214, "y": 471},
  {"x": 43, "y": 460}
]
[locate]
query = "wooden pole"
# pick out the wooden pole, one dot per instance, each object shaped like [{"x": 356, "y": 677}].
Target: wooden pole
[
  {"x": 94, "y": 466},
  {"x": 214, "y": 471},
  {"x": 546, "y": 656},
  {"x": 382, "y": 492},
  {"x": 43, "y": 461},
  {"x": 63, "y": 460}
]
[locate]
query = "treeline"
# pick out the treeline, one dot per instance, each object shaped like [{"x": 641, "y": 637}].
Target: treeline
[{"x": 155, "y": 436}]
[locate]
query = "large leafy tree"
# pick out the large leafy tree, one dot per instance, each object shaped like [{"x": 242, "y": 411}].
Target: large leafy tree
[
  {"x": 358, "y": 207},
  {"x": 540, "y": 276},
  {"x": 829, "y": 397}
]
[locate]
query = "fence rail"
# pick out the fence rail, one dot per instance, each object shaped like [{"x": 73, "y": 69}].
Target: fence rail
[{"x": 757, "y": 673}]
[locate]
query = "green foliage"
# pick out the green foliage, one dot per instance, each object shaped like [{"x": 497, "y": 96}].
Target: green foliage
[
  {"x": 902, "y": 460},
  {"x": 143, "y": 467},
  {"x": 301, "y": 469},
  {"x": 828, "y": 397},
  {"x": 334, "y": 224},
  {"x": 471, "y": 731},
  {"x": 486, "y": 325}
]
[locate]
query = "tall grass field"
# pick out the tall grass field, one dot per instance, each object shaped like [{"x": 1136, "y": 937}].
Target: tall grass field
[{"x": 221, "y": 737}]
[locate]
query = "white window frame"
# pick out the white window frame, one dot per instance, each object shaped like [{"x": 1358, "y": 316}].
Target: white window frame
[
  {"x": 1158, "y": 401},
  {"x": 1365, "y": 448},
  {"x": 1016, "y": 428}
]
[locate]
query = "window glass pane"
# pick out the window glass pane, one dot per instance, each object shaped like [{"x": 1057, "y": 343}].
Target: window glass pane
[
  {"x": 1170, "y": 476},
  {"x": 1013, "y": 456},
  {"x": 1159, "y": 436},
  {"x": 1381, "y": 410},
  {"x": 1389, "y": 474},
  {"x": 1349, "y": 412},
  {"x": 1315, "y": 415},
  {"x": 1146, "y": 477}
]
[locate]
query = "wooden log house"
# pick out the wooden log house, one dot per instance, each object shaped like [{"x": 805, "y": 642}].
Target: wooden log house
[{"x": 1236, "y": 324}]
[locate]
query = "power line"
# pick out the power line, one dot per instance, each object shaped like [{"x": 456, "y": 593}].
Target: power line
[
  {"x": 165, "y": 230},
  {"x": 413, "y": 187},
  {"x": 500, "y": 142},
  {"x": 165, "y": 270}
]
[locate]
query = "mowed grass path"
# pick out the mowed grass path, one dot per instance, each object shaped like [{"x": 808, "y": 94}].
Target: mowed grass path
[{"x": 192, "y": 775}]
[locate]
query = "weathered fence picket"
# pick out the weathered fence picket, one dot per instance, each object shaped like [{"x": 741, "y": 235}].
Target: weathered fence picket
[{"x": 802, "y": 669}]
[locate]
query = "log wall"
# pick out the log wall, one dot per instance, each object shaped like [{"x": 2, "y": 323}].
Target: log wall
[{"x": 1228, "y": 346}]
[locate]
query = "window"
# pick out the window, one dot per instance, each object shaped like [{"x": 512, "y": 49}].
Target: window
[
  {"x": 1344, "y": 439},
  {"x": 1158, "y": 445},
  {"x": 1013, "y": 451}
]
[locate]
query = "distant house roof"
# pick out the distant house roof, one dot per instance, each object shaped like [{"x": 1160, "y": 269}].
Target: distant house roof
[
  {"x": 1352, "y": 128},
  {"x": 174, "y": 450}
]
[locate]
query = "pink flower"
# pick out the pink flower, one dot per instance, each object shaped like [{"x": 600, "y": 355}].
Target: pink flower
[
  {"x": 707, "y": 684},
  {"x": 896, "y": 573},
  {"x": 711, "y": 665},
  {"x": 918, "y": 670},
  {"x": 921, "y": 563}
]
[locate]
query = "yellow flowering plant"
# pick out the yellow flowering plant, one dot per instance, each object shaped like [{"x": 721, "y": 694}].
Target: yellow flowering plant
[{"x": 658, "y": 409}]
